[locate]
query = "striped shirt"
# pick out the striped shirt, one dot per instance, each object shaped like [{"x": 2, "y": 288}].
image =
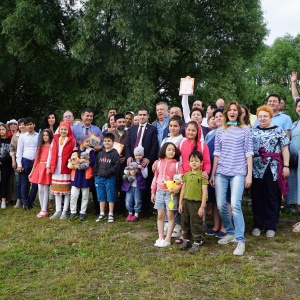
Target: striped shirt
[{"x": 233, "y": 146}]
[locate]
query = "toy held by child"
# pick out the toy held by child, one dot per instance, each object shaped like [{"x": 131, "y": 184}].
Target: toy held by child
[
  {"x": 73, "y": 161},
  {"x": 130, "y": 172},
  {"x": 84, "y": 162},
  {"x": 167, "y": 167},
  {"x": 134, "y": 185}
]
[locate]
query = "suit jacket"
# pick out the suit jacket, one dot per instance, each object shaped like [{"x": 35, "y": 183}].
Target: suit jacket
[{"x": 149, "y": 142}]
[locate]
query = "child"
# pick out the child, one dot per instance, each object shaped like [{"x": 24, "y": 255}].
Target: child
[
  {"x": 38, "y": 173},
  {"x": 164, "y": 199},
  {"x": 5, "y": 164},
  {"x": 81, "y": 178},
  {"x": 105, "y": 170},
  {"x": 60, "y": 150},
  {"x": 192, "y": 203},
  {"x": 134, "y": 189}
]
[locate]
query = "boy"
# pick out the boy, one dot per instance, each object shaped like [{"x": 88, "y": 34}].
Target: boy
[
  {"x": 192, "y": 203},
  {"x": 105, "y": 170},
  {"x": 26, "y": 150}
]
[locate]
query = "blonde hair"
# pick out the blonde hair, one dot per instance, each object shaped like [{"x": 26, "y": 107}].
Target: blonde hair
[{"x": 239, "y": 120}]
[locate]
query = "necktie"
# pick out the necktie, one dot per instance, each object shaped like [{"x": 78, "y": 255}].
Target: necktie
[
  {"x": 86, "y": 131},
  {"x": 138, "y": 137}
]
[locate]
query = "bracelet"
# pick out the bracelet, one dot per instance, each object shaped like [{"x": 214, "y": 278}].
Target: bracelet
[{"x": 286, "y": 166}]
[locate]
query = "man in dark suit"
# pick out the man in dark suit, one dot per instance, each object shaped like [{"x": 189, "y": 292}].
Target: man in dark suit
[{"x": 144, "y": 135}]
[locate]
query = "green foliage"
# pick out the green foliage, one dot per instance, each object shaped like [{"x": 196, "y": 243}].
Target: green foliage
[{"x": 122, "y": 53}]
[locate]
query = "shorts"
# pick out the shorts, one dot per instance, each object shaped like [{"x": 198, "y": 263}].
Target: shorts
[
  {"x": 106, "y": 188},
  {"x": 163, "y": 198}
]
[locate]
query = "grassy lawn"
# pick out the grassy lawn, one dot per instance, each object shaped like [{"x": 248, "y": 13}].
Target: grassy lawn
[{"x": 59, "y": 259}]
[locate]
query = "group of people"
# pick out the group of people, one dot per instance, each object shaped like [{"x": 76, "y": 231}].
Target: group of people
[{"x": 186, "y": 164}]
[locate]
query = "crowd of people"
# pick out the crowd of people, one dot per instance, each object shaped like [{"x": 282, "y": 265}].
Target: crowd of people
[{"x": 188, "y": 163}]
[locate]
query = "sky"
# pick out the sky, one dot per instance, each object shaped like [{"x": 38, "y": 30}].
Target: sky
[{"x": 281, "y": 16}]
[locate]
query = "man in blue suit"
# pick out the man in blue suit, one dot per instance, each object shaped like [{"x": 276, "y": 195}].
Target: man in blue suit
[{"x": 144, "y": 135}]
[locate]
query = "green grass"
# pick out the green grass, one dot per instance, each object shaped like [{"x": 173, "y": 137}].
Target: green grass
[{"x": 59, "y": 259}]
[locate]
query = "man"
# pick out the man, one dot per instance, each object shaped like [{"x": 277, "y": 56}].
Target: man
[
  {"x": 174, "y": 111},
  {"x": 198, "y": 104},
  {"x": 186, "y": 108},
  {"x": 209, "y": 111},
  {"x": 111, "y": 111},
  {"x": 26, "y": 150},
  {"x": 144, "y": 135},
  {"x": 87, "y": 128},
  {"x": 120, "y": 134},
  {"x": 280, "y": 119},
  {"x": 282, "y": 105},
  {"x": 162, "y": 120},
  {"x": 128, "y": 119},
  {"x": 220, "y": 103},
  {"x": 136, "y": 120},
  {"x": 68, "y": 117}
]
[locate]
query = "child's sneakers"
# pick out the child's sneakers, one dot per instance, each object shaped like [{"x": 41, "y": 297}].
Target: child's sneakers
[
  {"x": 176, "y": 231},
  {"x": 228, "y": 238},
  {"x": 134, "y": 218},
  {"x": 3, "y": 204},
  {"x": 240, "y": 249},
  {"x": 101, "y": 218},
  {"x": 42, "y": 214},
  {"x": 163, "y": 243},
  {"x": 64, "y": 215},
  {"x": 82, "y": 217},
  {"x": 157, "y": 242},
  {"x": 196, "y": 247},
  {"x": 72, "y": 217},
  {"x": 129, "y": 217},
  {"x": 185, "y": 245},
  {"x": 56, "y": 215}
]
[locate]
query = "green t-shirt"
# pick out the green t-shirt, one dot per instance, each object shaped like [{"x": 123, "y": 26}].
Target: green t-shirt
[{"x": 193, "y": 185}]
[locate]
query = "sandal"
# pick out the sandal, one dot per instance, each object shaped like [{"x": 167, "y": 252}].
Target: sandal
[{"x": 179, "y": 240}]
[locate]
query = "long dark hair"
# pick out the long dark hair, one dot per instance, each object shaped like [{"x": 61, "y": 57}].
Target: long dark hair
[
  {"x": 197, "y": 139},
  {"x": 162, "y": 151},
  {"x": 41, "y": 142},
  {"x": 44, "y": 123}
]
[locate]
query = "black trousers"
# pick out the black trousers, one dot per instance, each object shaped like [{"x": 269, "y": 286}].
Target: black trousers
[{"x": 266, "y": 200}]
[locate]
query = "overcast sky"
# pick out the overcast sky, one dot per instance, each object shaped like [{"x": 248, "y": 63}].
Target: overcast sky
[{"x": 281, "y": 16}]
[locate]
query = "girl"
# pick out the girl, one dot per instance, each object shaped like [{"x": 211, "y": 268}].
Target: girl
[
  {"x": 81, "y": 178},
  {"x": 60, "y": 150},
  {"x": 38, "y": 173},
  {"x": 167, "y": 167},
  {"x": 13, "y": 151},
  {"x": 5, "y": 163},
  {"x": 134, "y": 189},
  {"x": 175, "y": 125},
  {"x": 232, "y": 167},
  {"x": 193, "y": 143}
]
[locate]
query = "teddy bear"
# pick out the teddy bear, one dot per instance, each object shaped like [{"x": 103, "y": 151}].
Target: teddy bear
[
  {"x": 83, "y": 161},
  {"x": 131, "y": 171},
  {"x": 177, "y": 179},
  {"x": 73, "y": 161}
]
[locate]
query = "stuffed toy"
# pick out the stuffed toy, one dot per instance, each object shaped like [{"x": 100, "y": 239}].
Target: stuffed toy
[
  {"x": 84, "y": 161},
  {"x": 73, "y": 161},
  {"x": 177, "y": 178},
  {"x": 131, "y": 171}
]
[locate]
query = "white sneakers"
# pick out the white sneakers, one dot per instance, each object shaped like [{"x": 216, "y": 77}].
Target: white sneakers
[
  {"x": 228, "y": 238},
  {"x": 3, "y": 204},
  {"x": 160, "y": 243},
  {"x": 176, "y": 231},
  {"x": 240, "y": 249},
  {"x": 256, "y": 232}
]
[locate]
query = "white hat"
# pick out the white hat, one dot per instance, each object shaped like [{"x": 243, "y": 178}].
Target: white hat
[{"x": 12, "y": 121}]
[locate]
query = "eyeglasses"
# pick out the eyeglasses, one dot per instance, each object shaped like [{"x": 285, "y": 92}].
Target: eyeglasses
[{"x": 68, "y": 116}]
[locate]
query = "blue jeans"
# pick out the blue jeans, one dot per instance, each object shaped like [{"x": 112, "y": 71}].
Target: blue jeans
[
  {"x": 27, "y": 197},
  {"x": 236, "y": 184},
  {"x": 133, "y": 200}
]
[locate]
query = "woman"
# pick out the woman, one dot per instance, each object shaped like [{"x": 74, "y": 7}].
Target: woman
[
  {"x": 13, "y": 151},
  {"x": 293, "y": 197},
  {"x": 270, "y": 171},
  {"x": 245, "y": 115},
  {"x": 12, "y": 126},
  {"x": 232, "y": 166},
  {"x": 49, "y": 121},
  {"x": 111, "y": 124},
  {"x": 5, "y": 163},
  {"x": 197, "y": 115},
  {"x": 218, "y": 229}
]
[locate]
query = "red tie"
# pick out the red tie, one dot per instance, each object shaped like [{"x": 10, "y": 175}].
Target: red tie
[{"x": 138, "y": 137}]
